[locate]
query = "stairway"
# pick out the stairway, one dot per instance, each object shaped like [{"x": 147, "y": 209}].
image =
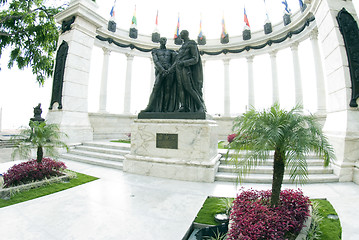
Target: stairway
[
  {"x": 317, "y": 173},
  {"x": 110, "y": 154},
  {"x": 101, "y": 153}
]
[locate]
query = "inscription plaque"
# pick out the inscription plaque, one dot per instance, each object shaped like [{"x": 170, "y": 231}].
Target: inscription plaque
[{"x": 166, "y": 140}]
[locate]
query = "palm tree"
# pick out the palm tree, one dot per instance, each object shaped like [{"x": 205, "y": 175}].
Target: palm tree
[
  {"x": 290, "y": 134},
  {"x": 41, "y": 136}
]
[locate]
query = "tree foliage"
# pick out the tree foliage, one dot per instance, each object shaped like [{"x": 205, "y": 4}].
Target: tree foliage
[
  {"x": 290, "y": 134},
  {"x": 30, "y": 30}
]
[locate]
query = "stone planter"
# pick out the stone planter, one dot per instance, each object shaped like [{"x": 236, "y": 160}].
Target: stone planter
[
  {"x": 7, "y": 193},
  {"x": 206, "y": 231}
]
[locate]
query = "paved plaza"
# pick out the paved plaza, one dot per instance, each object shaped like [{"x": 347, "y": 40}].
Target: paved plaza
[{"x": 127, "y": 206}]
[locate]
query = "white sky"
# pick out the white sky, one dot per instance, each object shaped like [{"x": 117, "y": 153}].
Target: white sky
[{"x": 19, "y": 92}]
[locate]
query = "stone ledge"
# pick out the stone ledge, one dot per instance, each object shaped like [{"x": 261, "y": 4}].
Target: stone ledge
[
  {"x": 195, "y": 163},
  {"x": 166, "y": 168},
  {"x": 7, "y": 193},
  {"x": 173, "y": 115}
]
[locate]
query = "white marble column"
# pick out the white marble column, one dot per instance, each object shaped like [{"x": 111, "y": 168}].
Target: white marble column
[
  {"x": 341, "y": 125},
  {"x": 297, "y": 74},
  {"x": 104, "y": 77},
  {"x": 204, "y": 79},
  {"x": 251, "y": 102},
  {"x": 275, "y": 86},
  {"x": 127, "y": 102},
  {"x": 227, "y": 95},
  {"x": 321, "y": 94},
  {"x": 152, "y": 79},
  {"x": 0, "y": 119},
  {"x": 73, "y": 117}
]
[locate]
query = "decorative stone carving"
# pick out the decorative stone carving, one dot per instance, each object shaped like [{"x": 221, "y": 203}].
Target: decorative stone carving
[
  {"x": 66, "y": 25},
  {"x": 133, "y": 33},
  {"x": 111, "y": 26},
  {"x": 225, "y": 39},
  {"x": 268, "y": 28},
  {"x": 286, "y": 19},
  {"x": 349, "y": 29},
  {"x": 201, "y": 41},
  {"x": 59, "y": 75},
  {"x": 246, "y": 34},
  {"x": 156, "y": 37}
]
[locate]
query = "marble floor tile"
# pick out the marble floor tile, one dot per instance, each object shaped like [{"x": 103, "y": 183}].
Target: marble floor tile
[{"x": 131, "y": 207}]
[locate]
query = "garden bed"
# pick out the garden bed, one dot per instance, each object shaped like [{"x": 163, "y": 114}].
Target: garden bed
[
  {"x": 7, "y": 193},
  {"x": 328, "y": 228},
  {"x": 47, "y": 189}
]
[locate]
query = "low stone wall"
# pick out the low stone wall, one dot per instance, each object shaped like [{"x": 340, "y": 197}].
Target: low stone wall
[
  {"x": 111, "y": 126},
  {"x": 117, "y": 126},
  {"x": 7, "y": 193},
  {"x": 356, "y": 173}
]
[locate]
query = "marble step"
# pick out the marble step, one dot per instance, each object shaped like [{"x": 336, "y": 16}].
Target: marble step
[
  {"x": 269, "y": 162},
  {"x": 98, "y": 155},
  {"x": 108, "y": 144},
  {"x": 269, "y": 169},
  {"x": 271, "y": 153},
  {"x": 103, "y": 150},
  {"x": 93, "y": 161},
  {"x": 267, "y": 178},
  {"x": 6, "y": 144}
]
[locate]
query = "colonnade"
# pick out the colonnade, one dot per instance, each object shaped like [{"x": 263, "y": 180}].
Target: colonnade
[{"x": 298, "y": 88}]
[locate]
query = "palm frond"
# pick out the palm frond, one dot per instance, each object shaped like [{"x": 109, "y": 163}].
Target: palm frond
[
  {"x": 40, "y": 134},
  {"x": 291, "y": 132}
]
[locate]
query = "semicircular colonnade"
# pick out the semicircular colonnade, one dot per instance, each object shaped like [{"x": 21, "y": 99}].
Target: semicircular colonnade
[{"x": 317, "y": 23}]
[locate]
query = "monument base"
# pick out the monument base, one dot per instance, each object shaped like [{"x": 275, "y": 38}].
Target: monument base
[
  {"x": 174, "y": 148},
  {"x": 75, "y": 125},
  {"x": 172, "y": 115}
]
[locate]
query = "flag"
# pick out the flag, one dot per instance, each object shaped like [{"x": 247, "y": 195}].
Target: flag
[
  {"x": 177, "y": 28},
  {"x": 112, "y": 13},
  {"x": 134, "y": 19},
  {"x": 246, "y": 18},
  {"x": 200, "y": 35},
  {"x": 287, "y": 9},
  {"x": 301, "y": 3},
  {"x": 156, "y": 23},
  {"x": 267, "y": 16},
  {"x": 224, "y": 32},
  {"x": 157, "y": 19}
]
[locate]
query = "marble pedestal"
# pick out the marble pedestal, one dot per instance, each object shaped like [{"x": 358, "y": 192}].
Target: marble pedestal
[{"x": 195, "y": 157}]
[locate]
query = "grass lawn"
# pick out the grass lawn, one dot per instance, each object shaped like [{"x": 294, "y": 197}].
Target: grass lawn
[
  {"x": 46, "y": 190},
  {"x": 330, "y": 229},
  {"x": 121, "y": 141},
  {"x": 211, "y": 207},
  {"x": 222, "y": 145}
]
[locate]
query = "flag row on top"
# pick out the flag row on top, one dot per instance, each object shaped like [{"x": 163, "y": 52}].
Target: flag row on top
[{"x": 201, "y": 39}]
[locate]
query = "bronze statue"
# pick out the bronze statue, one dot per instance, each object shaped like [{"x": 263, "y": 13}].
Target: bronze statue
[
  {"x": 177, "y": 92},
  {"x": 189, "y": 75},
  {"x": 163, "y": 97},
  {"x": 37, "y": 114}
]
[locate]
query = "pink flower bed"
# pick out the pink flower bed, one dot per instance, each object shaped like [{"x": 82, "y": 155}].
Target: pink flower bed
[
  {"x": 30, "y": 171},
  {"x": 231, "y": 137},
  {"x": 252, "y": 216}
]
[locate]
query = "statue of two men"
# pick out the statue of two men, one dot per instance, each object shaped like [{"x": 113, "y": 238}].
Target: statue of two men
[{"x": 179, "y": 78}]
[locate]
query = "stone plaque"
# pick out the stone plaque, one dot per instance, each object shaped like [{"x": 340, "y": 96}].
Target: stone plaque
[{"x": 166, "y": 140}]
